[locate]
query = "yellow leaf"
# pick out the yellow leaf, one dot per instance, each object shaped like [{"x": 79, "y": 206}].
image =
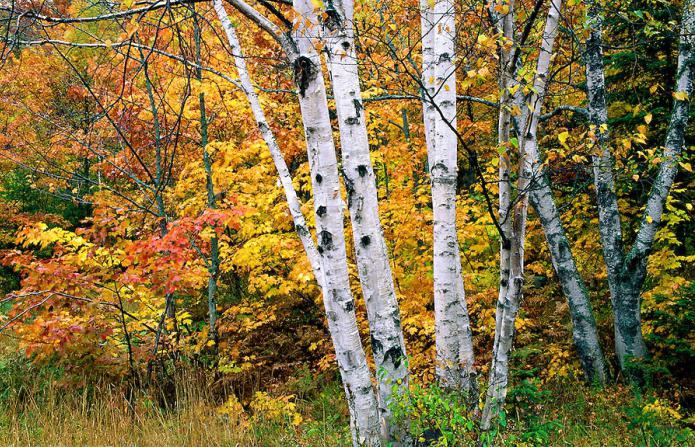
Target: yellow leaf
[
  {"x": 635, "y": 177},
  {"x": 563, "y": 137},
  {"x": 649, "y": 219},
  {"x": 680, "y": 96},
  {"x": 689, "y": 206},
  {"x": 648, "y": 118},
  {"x": 687, "y": 166}
]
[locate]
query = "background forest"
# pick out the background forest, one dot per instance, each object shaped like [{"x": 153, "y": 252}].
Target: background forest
[{"x": 170, "y": 273}]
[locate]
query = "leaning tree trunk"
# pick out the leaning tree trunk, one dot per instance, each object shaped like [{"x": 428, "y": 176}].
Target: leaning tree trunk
[
  {"x": 337, "y": 298},
  {"x": 328, "y": 207},
  {"x": 626, "y": 273},
  {"x": 293, "y": 203},
  {"x": 499, "y": 371},
  {"x": 383, "y": 314},
  {"x": 584, "y": 330},
  {"x": 454, "y": 343}
]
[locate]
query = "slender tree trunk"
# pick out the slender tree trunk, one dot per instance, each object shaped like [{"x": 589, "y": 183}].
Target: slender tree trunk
[
  {"x": 584, "y": 327},
  {"x": 499, "y": 372},
  {"x": 504, "y": 23},
  {"x": 454, "y": 343},
  {"x": 169, "y": 300},
  {"x": 214, "y": 261},
  {"x": 371, "y": 254},
  {"x": 293, "y": 203}
]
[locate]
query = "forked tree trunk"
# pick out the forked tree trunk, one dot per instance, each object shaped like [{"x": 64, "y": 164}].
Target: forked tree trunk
[
  {"x": 627, "y": 272},
  {"x": 454, "y": 342},
  {"x": 371, "y": 254}
]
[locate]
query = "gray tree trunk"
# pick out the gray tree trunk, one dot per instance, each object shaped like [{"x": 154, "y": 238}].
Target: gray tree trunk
[{"x": 627, "y": 272}]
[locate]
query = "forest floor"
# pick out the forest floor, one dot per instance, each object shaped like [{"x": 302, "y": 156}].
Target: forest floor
[{"x": 50, "y": 414}]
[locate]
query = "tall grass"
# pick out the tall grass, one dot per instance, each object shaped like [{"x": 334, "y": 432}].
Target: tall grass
[
  {"x": 38, "y": 408},
  {"x": 101, "y": 415}
]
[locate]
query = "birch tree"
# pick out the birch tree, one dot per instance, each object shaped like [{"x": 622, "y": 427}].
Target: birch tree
[
  {"x": 541, "y": 198},
  {"x": 376, "y": 281},
  {"x": 627, "y": 271},
  {"x": 504, "y": 331},
  {"x": 453, "y": 337},
  {"x": 338, "y": 300}
]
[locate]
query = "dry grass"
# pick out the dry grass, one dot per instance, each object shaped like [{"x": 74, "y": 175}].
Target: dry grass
[
  {"x": 42, "y": 413},
  {"x": 102, "y": 417}
]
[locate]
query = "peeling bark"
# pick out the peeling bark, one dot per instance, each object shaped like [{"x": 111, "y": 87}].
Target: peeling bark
[
  {"x": 337, "y": 297},
  {"x": 376, "y": 280},
  {"x": 454, "y": 344}
]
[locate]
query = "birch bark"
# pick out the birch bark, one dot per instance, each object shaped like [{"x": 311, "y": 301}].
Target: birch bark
[
  {"x": 504, "y": 23},
  {"x": 293, "y": 203},
  {"x": 627, "y": 272},
  {"x": 338, "y": 300},
  {"x": 499, "y": 371},
  {"x": 388, "y": 346},
  {"x": 454, "y": 343}
]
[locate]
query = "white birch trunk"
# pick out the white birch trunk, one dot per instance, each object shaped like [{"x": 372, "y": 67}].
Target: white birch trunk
[
  {"x": 454, "y": 344},
  {"x": 338, "y": 300},
  {"x": 505, "y": 28},
  {"x": 388, "y": 346},
  {"x": 499, "y": 371},
  {"x": 283, "y": 172},
  {"x": 328, "y": 206}
]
